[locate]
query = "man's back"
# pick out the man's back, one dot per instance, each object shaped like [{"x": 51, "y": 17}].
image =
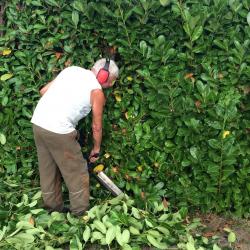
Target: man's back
[{"x": 66, "y": 101}]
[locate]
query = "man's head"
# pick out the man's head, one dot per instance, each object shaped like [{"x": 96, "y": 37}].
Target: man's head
[{"x": 113, "y": 71}]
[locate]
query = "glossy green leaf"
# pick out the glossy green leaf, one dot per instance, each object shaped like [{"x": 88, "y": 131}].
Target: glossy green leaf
[
  {"x": 2, "y": 139},
  {"x": 196, "y": 33},
  {"x": 75, "y": 17},
  {"x": 165, "y": 2},
  {"x": 5, "y": 77},
  {"x": 215, "y": 144},
  {"x": 52, "y": 3},
  {"x": 248, "y": 18},
  {"x": 194, "y": 152}
]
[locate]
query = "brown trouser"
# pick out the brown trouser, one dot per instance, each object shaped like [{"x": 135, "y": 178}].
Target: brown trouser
[{"x": 60, "y": 155}]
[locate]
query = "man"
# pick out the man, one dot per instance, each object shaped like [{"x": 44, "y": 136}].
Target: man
[{"x": 68, "y": 98}]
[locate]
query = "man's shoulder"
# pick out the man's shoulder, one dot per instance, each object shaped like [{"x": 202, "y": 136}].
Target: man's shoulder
[{"x": 74, "y": 68}]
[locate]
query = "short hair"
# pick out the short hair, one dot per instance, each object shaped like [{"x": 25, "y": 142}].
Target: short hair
[{"x": 113, "y": 69}]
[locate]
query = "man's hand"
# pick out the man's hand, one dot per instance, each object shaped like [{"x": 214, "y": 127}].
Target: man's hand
[{"x": 94, "y": 155}]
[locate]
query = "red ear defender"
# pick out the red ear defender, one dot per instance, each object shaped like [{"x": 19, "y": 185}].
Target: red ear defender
[{"x": 103, "y": 73}]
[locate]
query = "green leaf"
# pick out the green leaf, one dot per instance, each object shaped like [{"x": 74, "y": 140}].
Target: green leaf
[
  {"x": 213, "y": 169},
  {"x": 187, "y": 29},
  {"x": 220, "y": 44},
  {"x": 34, "y": 231},
  {"x": 248, "y": 18},
  {"x": 164, "y": 217},
  {"x": 143, "y": 47},
  {"x": 116, "y": 200},
  {"x": 134, "y": 230},
  {"x": 136, "y": 213},
  {"x": 52, "y": 2},
  {"x": 21, "y": 238},
  {"x": 36, "y": 211},
  {"x": 190, "y": 246},
  {"x": 163, "y": 230},
  {"x": 194, "y": 152},
  {"x": 169, "y": 144},
  {"x": 78, "y": 5},
  {"x": 125, "y": 208},
  {"x": 127, "y": 247},
  {"x": 165, "y": 2},
  {"x": 215, "y": 144},
  {"x": 49, "y": 248},
  {"x": 110, "y": 235},
  {"x": 97, "y": 235},
  {"x": 75, "y": 17},
  {"x": 5, "y": 100},
  {"x": 36, "y": 3},
  {"x": 154, "y": 233},
  {"x": 118, "y": 236},
  {"x": 231, "y": 237},
  {"x": 200, "y": 87},
  {"x": 196, "y": 33},
  {"x": 156, "y": 243},
  {"x": 37, "y": 196},
  {"x": 2, "y": 139},
  {"x": 161, "y": 40},
  {"x": 215, "y": 247},
  {"x": 56, "y": 216},
  {"x": 75, "y": 244},
  {"x": 149, "y": 223},
  {"x": 100, "y": 226},
  {"x": 24, "y": 225},
  {"x": 2, "y": 232},
  {"x": 125, "y": 236},
  {"x": 86, "y": 234},
  {"x": 6, "y": 77}
]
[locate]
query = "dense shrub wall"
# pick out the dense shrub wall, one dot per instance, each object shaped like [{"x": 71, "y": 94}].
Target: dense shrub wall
[{"x": 176, "y": 123}]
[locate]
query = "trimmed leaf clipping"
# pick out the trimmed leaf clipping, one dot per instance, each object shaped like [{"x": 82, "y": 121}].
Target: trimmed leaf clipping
[
  {"x": 86, "y": 234},
  {"x": 231, "y": 237},
  {"x": 110, "y": 235},
  {"x": 156, "y": 243}
]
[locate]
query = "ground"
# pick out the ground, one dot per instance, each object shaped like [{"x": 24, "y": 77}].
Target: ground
[{"x": 215, "y": 226}]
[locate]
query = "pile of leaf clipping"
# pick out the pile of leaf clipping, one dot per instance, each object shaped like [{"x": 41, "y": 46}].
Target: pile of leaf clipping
[{"x": 115, "y": 223}]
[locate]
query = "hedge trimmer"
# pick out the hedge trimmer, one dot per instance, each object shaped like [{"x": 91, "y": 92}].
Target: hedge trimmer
[{"x": 98, "y": 173}]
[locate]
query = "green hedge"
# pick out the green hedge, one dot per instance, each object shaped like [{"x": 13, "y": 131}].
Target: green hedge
[{"x": 176, "y": 123}]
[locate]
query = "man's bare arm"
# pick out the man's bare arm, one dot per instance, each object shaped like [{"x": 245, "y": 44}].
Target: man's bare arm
[
  {"x": 45, "y": 88},
  {"x": 98, "y": 101}
]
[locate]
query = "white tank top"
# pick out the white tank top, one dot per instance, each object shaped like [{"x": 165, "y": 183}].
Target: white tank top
[{"x": 66, "y": 101}]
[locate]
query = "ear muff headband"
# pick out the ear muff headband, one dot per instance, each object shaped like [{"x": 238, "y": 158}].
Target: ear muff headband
[{"x": 103, "y": 74}]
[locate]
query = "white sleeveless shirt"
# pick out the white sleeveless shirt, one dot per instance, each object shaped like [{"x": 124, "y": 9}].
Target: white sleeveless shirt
[{"x": 66, "y": 101}]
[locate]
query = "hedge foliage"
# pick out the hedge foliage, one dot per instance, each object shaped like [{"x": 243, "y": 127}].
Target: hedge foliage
[{"x": 176, "y": 124}]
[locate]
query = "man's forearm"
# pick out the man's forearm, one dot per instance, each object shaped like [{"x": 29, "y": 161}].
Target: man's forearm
[{"x": 97, "y": 138}]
